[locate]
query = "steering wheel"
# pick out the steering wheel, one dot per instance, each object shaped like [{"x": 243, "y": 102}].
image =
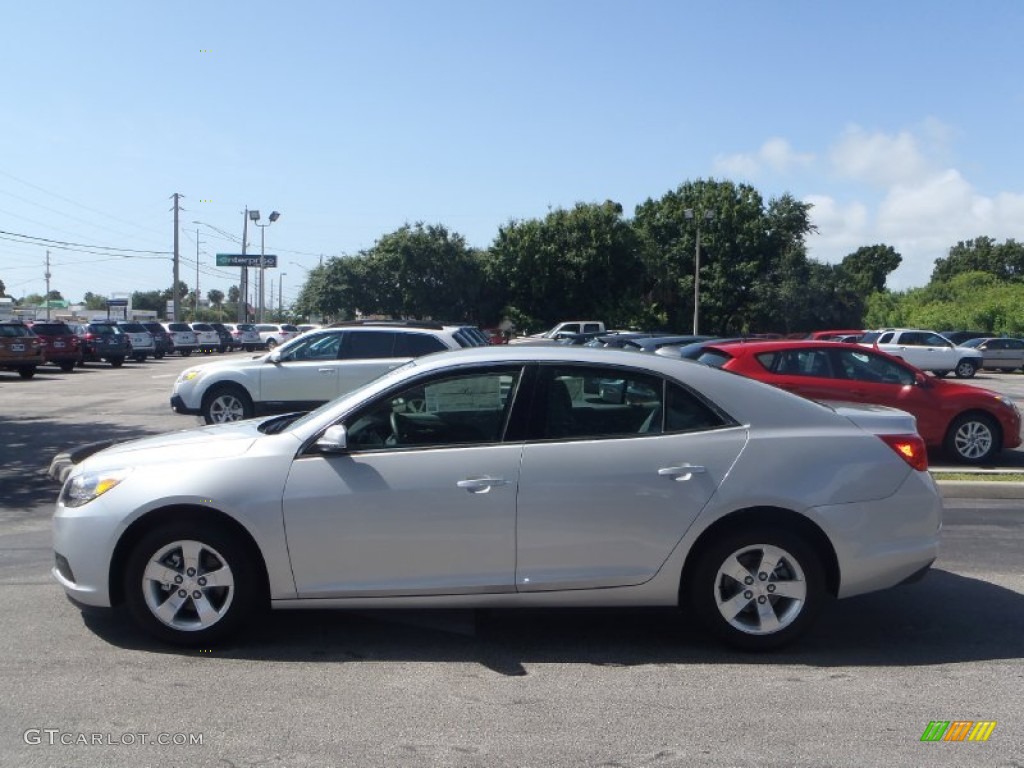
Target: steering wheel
[{"x": 398, "y": 427}]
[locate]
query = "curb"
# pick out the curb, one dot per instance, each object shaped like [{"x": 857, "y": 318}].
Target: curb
[{"x": 980, "y": 489}]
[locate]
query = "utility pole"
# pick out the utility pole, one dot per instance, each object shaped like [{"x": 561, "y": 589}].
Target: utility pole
[
  {"x": 47, "y": 298},
  {"x": 243, "y": 299},
  {"x": 174, "y": 285},
  {"x": 196, "y": 311}
]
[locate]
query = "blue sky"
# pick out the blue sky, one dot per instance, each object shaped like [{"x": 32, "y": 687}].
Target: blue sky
[{"x": 901, "y": 122}]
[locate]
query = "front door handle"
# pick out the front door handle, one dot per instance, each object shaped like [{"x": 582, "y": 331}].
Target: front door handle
[
  {"x": 480, "y": 484},
  {"x": 683, "y": 472}
]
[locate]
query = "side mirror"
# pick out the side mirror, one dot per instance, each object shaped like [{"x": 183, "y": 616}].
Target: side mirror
[
  {"x": 274, "y": 357},
  {"x": 333, "y": 440},
  {"x": 922, "y": 380}
]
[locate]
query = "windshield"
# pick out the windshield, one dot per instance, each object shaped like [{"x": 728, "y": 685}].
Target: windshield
[{"x": 380, "y": 381}]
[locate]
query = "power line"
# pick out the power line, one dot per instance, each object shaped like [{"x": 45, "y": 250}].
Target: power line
[{"x": 69, "y": 244}]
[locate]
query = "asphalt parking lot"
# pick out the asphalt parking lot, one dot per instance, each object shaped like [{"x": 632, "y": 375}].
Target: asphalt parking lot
[{"x": 531, "y": 688}]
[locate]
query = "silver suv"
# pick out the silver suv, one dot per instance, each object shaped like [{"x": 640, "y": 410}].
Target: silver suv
[
  {"x": 927, "y": 350},
  {"x": 311, "y": 369}
]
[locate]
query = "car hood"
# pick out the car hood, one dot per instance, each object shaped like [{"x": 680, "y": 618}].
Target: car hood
[
  {"x": 212, "y": 442},
  {"x": 235, "y": 364}
]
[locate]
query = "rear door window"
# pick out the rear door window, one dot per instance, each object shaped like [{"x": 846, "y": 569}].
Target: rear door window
[{"x": 365, "y": 345}]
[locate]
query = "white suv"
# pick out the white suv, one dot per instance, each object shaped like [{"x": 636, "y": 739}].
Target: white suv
[
  {"x": 311, "y": 369},
  {"x": 927, "y": 350},
  {"x": 272, "y": 335}
]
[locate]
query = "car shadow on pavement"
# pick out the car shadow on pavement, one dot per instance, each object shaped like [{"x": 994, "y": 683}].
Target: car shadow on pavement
[
  {"x": 29, "y": 445},
  {"x": 946, "y": 618}
]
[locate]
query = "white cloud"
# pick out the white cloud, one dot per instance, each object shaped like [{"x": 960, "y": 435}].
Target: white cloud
[
  {"x": 775, "y": 154},
  {"x": 880, "y": 158},
  {"x": 900, "y": 189}
]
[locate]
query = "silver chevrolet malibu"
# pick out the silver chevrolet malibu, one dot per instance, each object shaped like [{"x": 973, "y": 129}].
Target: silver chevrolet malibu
[{"x": 510, "y": 476}]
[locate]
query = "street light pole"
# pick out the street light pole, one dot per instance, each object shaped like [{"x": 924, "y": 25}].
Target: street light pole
[
  {"x": 280, "y": 295},
  {"x": 708, "y": 215},
  {"x": 255, "y": 216}
]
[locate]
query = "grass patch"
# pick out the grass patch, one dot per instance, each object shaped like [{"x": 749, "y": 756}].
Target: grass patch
[{"x": 994, "y": 477}]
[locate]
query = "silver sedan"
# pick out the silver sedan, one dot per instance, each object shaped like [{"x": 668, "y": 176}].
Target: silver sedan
[{"x": 510, "y": 476}]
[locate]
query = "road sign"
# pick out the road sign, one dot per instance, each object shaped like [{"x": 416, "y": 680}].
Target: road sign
[
  {"x": 117, "y": 302},
  {"x": 248, "y": 260}
]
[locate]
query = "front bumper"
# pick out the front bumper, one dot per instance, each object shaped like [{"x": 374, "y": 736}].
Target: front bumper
[{"x": 178, "y": 406}]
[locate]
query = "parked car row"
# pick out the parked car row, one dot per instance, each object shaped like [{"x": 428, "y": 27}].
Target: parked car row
[{"x": 26, "y": 346}]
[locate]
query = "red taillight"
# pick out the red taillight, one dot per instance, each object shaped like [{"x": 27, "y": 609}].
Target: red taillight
[{"x": 910, "y": 448}]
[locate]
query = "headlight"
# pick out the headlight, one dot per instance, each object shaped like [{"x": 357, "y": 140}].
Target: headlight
[
  {"x": 189, "y": 374},
  {"x": 1008, "y": 402},
  {"x": 83, "y": 488}
]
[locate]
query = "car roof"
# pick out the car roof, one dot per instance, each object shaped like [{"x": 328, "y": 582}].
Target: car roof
[{"x": 772, "y": 345}]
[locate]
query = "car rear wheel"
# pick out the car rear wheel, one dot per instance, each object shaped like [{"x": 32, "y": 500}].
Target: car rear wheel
[
  {"x": 973, "y": 438},
  {"x": 158, "y": 355},
  {"x": 940, "y": 374},
  {"x": 227, "y": 403},
  {"x": 185, "y": 352},
  {"x": 67, "y": 366},
  {"x": 966, "y": 369},
  {"x": 758, "y": 589},
  {"x": 116, "y": 362},
  {"x": 271, "y": 343},
  {"x": 139, "y": 358},
  {"x": 27, "y": 373},
  {"x": 190, "y": 584}
]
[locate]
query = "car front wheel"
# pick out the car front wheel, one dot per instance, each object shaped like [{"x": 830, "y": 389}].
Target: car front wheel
[
  {"x": 190, "y": 584},
  {"x": 227, "y": 403},
  {"x": 973, "y": 438},
  {"x": 758, "y": 589},
  {"x": 27, "y": 373},
  {"x": 966, "y": 369}
]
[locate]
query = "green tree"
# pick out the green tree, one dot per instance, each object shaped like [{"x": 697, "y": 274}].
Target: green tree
[
  {"x": 423, "y": 271},
  {"x": 216, "y": 299},
  {"x": 154, "y": 301},
  {"x": 982, "y": 254},
  {"x": 754, "y": 270},
  {"x": 3, "y": 289},
  {"x": 583, "y": 262},
  {"x": 95, "y": 301}
]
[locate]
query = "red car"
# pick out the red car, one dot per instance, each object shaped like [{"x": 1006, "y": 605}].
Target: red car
[
  {"x": 62, "y": 345},
  {"x": 970, "y": 423}
]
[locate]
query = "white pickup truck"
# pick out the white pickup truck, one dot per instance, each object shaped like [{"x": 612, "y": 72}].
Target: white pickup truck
[
  {"x": 567, "y": 328},
  {"x": 927, "y": 350}
]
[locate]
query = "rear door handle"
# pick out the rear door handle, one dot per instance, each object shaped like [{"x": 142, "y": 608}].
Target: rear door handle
[
  {"x": 481, "y": 484},
  {"x": 683, "y": 472}
]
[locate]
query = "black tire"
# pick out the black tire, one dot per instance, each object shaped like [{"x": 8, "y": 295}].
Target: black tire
[
  {"x": 186, "y": 352},
  {"x": 139, "y": 358},
  {"x": 1007, "y": 370},
  {"x": 973, "y": 438},
  {"x": 67, "y": 366},
  {"x": 227, "y": 402},
  {"x": 966, "y": 369},
  {"x": 27, "y": 373},
  {"x": 798, "y": 567},
  {"x": 271, "y": 343},
  {"x": 158, "y": 355},
  {"x": 214, "y": 549},
  {"x": 116, "y": 362},
  {"x": 940, "y": 374}
]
